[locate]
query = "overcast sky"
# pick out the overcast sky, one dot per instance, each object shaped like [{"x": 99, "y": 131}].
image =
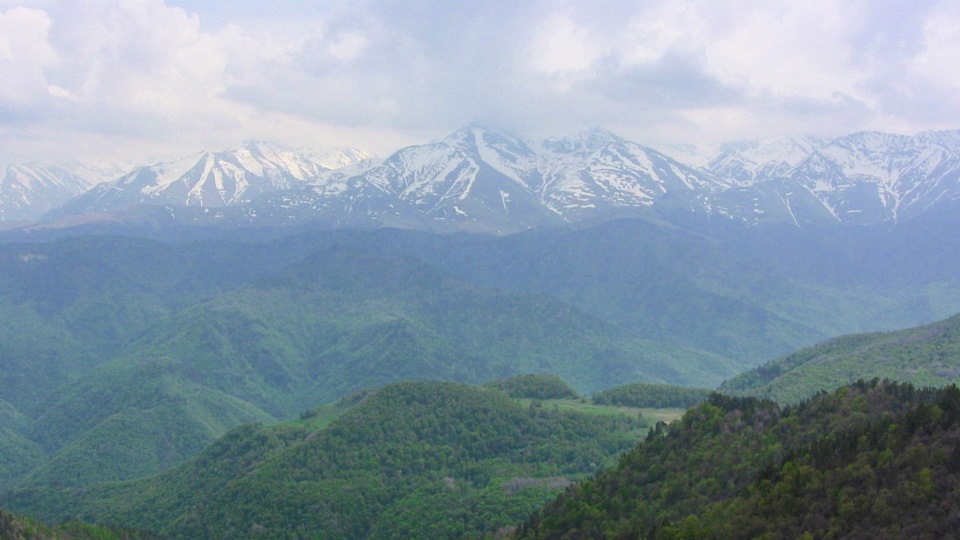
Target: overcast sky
[{"x": 143, "y": 79}]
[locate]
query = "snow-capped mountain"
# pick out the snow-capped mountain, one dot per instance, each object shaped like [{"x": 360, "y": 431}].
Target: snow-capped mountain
[
  {"x": 860, "y": 179},
  {"x": 480, "y": 179},
  {"x": 692, "y": 155},
  {"x": 484, "y": 180},
  {"x": 749, "y": 163},
  {"x": 873, "y": 177},
  {"x": 28, "y": 191},
  {"x": 472, "y": 179},
  {"x": 597, "y": 172},
  {"x": 210, "y": 179},
  {"x": 473, "y": 174}
]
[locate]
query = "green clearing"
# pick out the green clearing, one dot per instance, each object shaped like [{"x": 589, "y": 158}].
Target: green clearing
[{"x": 654, "y": 415}]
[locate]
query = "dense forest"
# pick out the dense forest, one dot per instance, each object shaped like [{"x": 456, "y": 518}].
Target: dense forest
[
  {"x": 413, "y": 460},
  {"x": 155, "y": 381},
  {"x": 123, "y": 357},
  {"x": 14, "y": 527},
  {"x": 534, "y": 386},
  {"x": 441, "y": 460},
  {"x": 874, "y": 459}
]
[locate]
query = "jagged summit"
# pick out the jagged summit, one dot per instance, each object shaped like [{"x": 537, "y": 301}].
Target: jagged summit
[
  {"x": 30, "y": 190},
  {"x": 582, "y": 142},
  {"x": 482, "y": 179},
  {"x": 213, "y": 179}
]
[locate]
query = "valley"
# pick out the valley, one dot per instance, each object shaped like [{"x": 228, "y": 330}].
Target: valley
[
  {"x": 479, "y": 270},
  {"x": 356, "y": 345}
]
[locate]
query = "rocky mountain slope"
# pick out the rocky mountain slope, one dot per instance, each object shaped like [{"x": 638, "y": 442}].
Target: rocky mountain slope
[
  {"x": 29, "y": 191},
  {"x": 478, "y": 179},
  {"x": 212, "y": 179}
]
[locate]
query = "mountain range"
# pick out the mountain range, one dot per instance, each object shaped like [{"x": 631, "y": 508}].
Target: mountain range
[
  {"x": 30, "y": 190},
  {"x": 477, "y": 179},
  {"x": 212, "y": 179},
  {"x": 122, "y": 356}
]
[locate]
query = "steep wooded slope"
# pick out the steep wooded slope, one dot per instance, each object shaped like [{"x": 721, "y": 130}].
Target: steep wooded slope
[{"x": 870, "y": 460}]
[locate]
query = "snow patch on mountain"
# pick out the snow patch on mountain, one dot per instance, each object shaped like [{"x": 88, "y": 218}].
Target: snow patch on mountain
[
  {"x": 215, "y": 179},
  {"x": 479, "y": 179}
]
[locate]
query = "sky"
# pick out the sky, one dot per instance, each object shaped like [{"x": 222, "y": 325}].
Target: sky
[{"x": 138, "y": 80}]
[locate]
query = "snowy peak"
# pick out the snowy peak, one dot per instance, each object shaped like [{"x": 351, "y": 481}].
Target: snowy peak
[
  {"x": 689, "y": 154},
  {"x": 947, "y": 139},
  {"x": 214, "y": 179},
  {"x": 597, "y": 172},
  {"x": 507, "y": 154},
  {"x": 473, "y": 173},
  {"x": 583, "y": 143},
  {"x": 482, "y": 179},
  {"x": 29, "y": 191},
  {"x": 302, "y": 164},
  {"x": 790, "y": 150},
  {"x": 473, "y": 179},
  {"x": 752, "y": 162},
  {"x": 872, "y": 177},
  {"x": 576, "y": 177}
]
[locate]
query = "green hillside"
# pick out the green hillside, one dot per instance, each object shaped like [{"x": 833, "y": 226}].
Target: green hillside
[
  {"x": 327, "y": 325},
  {"x": 18, "y": 454},
  {"x": 14, "y": 527},
  {"x": 926, "y": 356},
  {"x": 129, "y": 420},
  {"x": 71, "y": 304},
  {"x": 745, "y": 294},
  {"x": 105, "y": 339},
  {"x": 414, "y": 460},
  {"x": 872, "y": 460}
]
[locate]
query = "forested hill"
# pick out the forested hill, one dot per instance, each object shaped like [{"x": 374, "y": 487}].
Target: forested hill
[
  {"x": 926, "y": 356},
  {"x": 412, "y": 460},
  {"x": 119, "y": 360},
  {"x": 14, "y": 527},
  {"x": 873, "y": 459}
]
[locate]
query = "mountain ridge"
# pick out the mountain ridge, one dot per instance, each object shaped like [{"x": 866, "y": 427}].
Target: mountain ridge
[{"x": 478, "y": 179}]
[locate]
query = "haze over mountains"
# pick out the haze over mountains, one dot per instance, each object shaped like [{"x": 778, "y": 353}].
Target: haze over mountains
[
  {"x": 128, "y": 349},
  {"x": 478, "y": 179},
  {"x": 28, "y": 191}
]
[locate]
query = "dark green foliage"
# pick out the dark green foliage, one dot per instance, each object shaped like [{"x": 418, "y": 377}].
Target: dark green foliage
[
  {"x": 326, "y": 325},
  {"x": 651, "y": 395},
  {"x": 747, "y": 295},
  {"x": 927, "y": 356},
  {"x": 13, "y": 527},
  {"x": 870, "y": 460},
  {"x": 414, "y": 460},
  {"x": 534, "y": 387},
  {"x": 219, "y": 331},
  {"x": 19, "y": 454}
]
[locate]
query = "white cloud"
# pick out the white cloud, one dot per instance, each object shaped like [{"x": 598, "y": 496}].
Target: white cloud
[
  {"x": 560, "y": 46},
  {"x": 937, "y": 61},
  {"x": 148, "y": 74},
  {"x": 793, "y": 48},
  {"x": 25, "y": 54}
]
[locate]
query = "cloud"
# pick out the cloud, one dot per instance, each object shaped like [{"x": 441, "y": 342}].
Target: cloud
[
  {"x": 25, "y": 54},
  {"x": 168, "y": 75}
]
